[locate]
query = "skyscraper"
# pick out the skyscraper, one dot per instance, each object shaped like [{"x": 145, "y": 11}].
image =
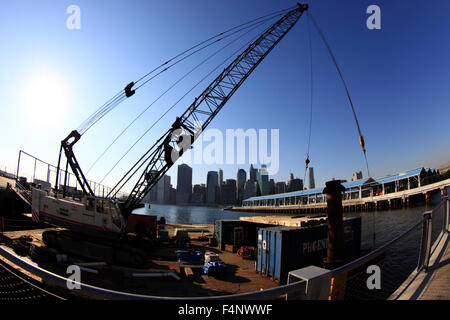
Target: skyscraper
[
  {"x": 250, "y": 189},
  {"x": 219, "y": 184},
  {"x": 252, "y": 173},
  {"x": 152, "y": 196},
  {"x": 184, "y": 184},
  {"x": 311, "y": 183},
  {"x": 229, "y": 192},
  {"x": 240, "y": 183},
  {"x": 357, "y": 175},
  {"x": 199, "y": 194},
  {"x": 163, "y": 189},
  {"x": 271, "y": 186},
  {"x": 220, "y": 178},
  {"x": 294, "y": 184},
  {"x": 280, "y": 187},
  {"x": 262, "y": 176},
  {"x": 212, "y": 187}
]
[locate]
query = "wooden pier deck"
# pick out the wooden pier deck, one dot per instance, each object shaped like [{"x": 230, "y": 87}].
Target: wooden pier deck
[
  {"x": 433, "y": 284},
  {"x": 439, "y": 285}
]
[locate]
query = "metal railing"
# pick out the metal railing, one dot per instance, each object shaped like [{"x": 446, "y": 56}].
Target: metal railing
[
  {"x": 38, "y": 171},
  {"x": 424, "y": 249},
  {"x": 7, "y": 172},
  {"x": 303, "y": 288}
]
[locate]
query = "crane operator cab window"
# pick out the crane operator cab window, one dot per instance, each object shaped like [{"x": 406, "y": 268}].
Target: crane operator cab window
[
  {"x": 115, "y": 218},
  {"x": 90, "y": 204},
  {"x": 100, "y": 206}
]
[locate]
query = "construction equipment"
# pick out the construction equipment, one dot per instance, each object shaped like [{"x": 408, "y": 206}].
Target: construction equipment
[{"x": 107, "y": 219}]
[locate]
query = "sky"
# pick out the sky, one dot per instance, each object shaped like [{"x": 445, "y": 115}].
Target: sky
[{"x": 52, "y": 78}]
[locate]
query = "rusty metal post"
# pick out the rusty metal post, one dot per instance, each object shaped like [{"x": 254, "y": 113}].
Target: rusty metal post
[{"x": 336, "y": 244}]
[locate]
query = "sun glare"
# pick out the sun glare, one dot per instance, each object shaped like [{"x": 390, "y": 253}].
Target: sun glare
[{"x": 44, "y": 98}]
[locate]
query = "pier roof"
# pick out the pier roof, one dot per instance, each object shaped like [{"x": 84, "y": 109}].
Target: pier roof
[
  {"x": 401, "y": 176},
  {"x": 358, "y": 183},
  {"x": 347, "y": 185}
]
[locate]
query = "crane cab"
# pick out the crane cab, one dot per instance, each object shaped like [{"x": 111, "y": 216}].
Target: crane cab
[{"x": 91, "y": 215}]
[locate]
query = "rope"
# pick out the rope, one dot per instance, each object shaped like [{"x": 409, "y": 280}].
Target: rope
[{"x": 361, "y": 137}]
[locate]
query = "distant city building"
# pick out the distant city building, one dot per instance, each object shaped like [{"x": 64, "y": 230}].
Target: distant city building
[
  {"x": 295, "y": 185},
  {"x": 152, "y": 196},
  {"x": 173, "y": 195},
  {"x": 250, "y": 189},
  {"x": 220, "y": 183},
  {"x": 271, "y": 186},
  {"x": 199, "y": 194},
  {"x": 262, "y": 177},
  {"x": 220, "y": 177},
  {"x": 163, "y": 190},
  {"x": 240, "y": 184},
  {"x": 229, "y": 192},
  {"x": 311, "y": 183},
  {"x": 252, "y": 173},
  {"x": 357, "y": 175},
  {"x": 280, "y": 187},
  {"x": 212, "y": 187},
  {"x": 184, "y": 184}
]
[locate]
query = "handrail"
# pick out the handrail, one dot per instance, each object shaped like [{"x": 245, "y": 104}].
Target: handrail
[
  {"x": 97, "y": 186},
  {"x": 102, "y": 293},
  {"x": 427, "y": 216},
  {"x": 375, "y": 253}
]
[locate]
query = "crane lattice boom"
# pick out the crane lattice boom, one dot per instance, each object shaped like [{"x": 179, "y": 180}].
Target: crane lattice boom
[{"x": 186, "y": 129}]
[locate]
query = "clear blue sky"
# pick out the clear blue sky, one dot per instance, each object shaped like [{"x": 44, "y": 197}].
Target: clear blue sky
[{"x": 398, "y": 77}]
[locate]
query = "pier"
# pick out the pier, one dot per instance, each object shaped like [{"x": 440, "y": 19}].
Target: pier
[{"x": 396, "y": 191}]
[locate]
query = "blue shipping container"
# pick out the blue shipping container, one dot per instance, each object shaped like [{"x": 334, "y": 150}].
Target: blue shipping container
[{"x": 283, "y": 249}]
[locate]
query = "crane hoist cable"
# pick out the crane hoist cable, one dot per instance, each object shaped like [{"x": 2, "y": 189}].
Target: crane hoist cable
[
  {"x": 276, "y": 13},
  {"x": 171, "y": 87},
  {"x": 361, "y": 137},
  {"x": 190, "y": 90},
  {"x": 128, "y": 91},
  {"x": 307, "y": 160}
]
